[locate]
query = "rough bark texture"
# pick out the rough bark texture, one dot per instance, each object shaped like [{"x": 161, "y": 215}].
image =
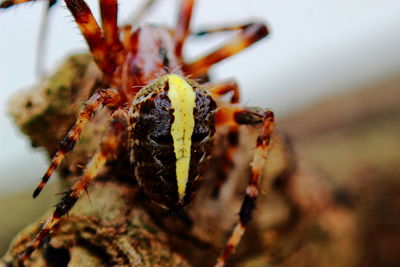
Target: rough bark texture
[{"x": 303, "y": 218}]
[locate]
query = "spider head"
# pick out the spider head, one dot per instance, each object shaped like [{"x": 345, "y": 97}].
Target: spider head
[{"x": 172, "y": 128}]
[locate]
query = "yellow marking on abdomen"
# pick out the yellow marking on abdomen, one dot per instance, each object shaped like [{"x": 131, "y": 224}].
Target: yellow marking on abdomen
[{"x": 183, "y": 101}]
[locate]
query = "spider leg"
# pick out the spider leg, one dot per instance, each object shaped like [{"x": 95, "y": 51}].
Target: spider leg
[
  {"x": 93, "y": 35},
  {"x": 247, "y": 36},
  {"x": 108, "y": 146},
  {"x": 108, "y": 9},
  {"x": 101, "y": 97},
  {"x": 10, "y": 3},
  {"x": 249, "y": 116},
  {"x": 109, "y": 13},
  {"x": 222, "y": 88},
  {"x": 182, "y": 28},
  {"x": 126, "y": 32},
  {"x": 221, "y": 29},
  {"x": 219, "y": 90}
]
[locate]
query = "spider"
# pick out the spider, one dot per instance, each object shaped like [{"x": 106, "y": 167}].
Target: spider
[{"x": 170, "y": 117}]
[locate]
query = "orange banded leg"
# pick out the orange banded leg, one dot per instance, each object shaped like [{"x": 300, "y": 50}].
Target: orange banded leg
[
  {"x": 128, "y": 38},
  {"x": 247, "y": 36},
  {"x": 108, "y": 9},
  {"x": 109, "y": 14},
  {"x": 250, "y": 117},
  {"x": 101, "y": 97},
  {"x": 219, "y": 90},
  {"x": 221, "y": 29},
  {"x": 9, "y": 3},
  {"x": 93, "y": 36},
  {"x": 182, "y": 28},
  {"x": 108, "y": 147}
]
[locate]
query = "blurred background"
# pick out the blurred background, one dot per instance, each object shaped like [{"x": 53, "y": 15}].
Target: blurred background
[{"x": 329, "y": 70}]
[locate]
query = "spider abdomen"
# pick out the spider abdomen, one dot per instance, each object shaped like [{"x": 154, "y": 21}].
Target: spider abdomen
[{"x": 172, "y": 127}]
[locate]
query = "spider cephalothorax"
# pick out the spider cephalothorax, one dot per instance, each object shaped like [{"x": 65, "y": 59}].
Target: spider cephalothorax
[
  {"x": 173, "y": 123},
  {"x": 170, "y": 119}
]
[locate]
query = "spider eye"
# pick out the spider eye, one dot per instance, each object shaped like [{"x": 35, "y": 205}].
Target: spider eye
[
  {"x": 199, "y": 137},
  {"x": 162, "y": 139}
]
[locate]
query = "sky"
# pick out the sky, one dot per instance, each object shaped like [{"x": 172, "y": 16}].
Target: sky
[{"x": 316, "y": 48}]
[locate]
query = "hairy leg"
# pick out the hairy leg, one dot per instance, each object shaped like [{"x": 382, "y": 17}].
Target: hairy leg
[
  {"x": 107, "y": 148},
  {"x": 101, "y": 97},
  {"x": 109, "y": 15},
  {"x": 249, "y": 116},
  {"x": 93, "y": 35},
  {"x": 10, "y": 3},
  {"x": 248, "y": 35},
  {"x": 204, "y": 32},
  {"x": 222, "y": 88},
  {"x": 183, "y": 25},
  {"x": 219, "y": 90}
]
